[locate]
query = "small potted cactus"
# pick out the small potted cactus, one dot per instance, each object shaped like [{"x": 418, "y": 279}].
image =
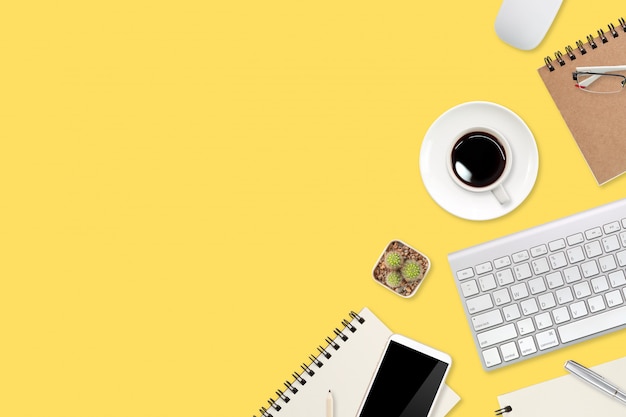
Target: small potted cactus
[
  {"x": 401, "y": 268},
  {"x": 393, "y": 260},
  {"x": 393, "y": 279},
  {"x": 411, "y": 270}
]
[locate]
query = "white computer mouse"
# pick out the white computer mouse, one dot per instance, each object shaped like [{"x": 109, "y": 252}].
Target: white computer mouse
[{"x": 524, "y": 23}]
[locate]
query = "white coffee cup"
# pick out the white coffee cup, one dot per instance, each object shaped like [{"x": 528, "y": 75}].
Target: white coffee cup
[{"x": 479, "y": 161}]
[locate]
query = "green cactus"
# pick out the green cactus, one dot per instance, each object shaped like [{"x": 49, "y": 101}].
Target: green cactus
[
  {"x": 393, "y": 260},
  {"x": 411, "y": 270},
  {"x": 393, "y": 279}
]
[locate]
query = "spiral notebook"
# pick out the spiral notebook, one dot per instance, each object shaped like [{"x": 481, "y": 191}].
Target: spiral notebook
[
  {"x": 567, "y": 396},
  {"x": 345, "y": 366},
  {"x": 596, "y": 121}
]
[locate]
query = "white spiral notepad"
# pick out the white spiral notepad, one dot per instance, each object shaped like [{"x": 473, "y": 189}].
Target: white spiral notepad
[
  {"x": 568, "y": 396},
  {"x": 345, "y": 366}
]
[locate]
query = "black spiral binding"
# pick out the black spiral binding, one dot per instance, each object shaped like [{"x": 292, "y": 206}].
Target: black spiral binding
[
  {"x": 316, "y": 362},
  {"x": 506, "y": 409},
  {"x": 569, "y": 51}
]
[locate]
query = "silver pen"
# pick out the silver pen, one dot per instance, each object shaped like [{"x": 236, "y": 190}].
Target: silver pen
[{"x": 595, "y": 380}]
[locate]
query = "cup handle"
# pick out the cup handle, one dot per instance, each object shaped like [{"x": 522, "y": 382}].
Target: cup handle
[{"x": 501, "y": 195}]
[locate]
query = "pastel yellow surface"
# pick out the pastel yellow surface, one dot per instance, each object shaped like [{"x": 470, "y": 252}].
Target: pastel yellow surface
[{"x": 193, "y": 194}]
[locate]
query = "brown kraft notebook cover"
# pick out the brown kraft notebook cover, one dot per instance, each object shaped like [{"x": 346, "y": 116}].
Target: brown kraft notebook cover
[{"x": 597, "y": 121}]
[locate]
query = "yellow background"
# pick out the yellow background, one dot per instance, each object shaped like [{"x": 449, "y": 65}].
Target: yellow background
[{"x": 193, "y": 194}]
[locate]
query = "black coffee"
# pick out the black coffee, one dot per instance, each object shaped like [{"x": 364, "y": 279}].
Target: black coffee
[{"x": 478, "y": 159}]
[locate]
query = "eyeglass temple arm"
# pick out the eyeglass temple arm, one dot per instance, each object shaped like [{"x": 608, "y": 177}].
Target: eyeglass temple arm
[
  {"x": 602, "y": 69},
  {"x": 587, "y": 81}
]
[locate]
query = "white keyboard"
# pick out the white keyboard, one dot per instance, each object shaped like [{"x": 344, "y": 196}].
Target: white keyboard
[{"x": 546, "y": 287}]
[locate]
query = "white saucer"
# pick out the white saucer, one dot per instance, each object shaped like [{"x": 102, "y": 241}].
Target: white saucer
[{"x": 438, "y": 141}]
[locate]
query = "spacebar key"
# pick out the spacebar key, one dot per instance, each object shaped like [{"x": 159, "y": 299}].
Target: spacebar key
[{"x": 594, "y": 324}]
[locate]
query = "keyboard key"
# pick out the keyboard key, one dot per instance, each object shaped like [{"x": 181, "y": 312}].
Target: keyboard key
[
  {"x": 505, "y": 277},
  {"x": 543, "y": 321},
  {"x": 611, "y": 227},
  {"x": 554, "y": 280},
  {"x": 520, "y": 256},
  {"x": 497, "y": 335},
  {"x": 617, "y": 279},
  {"x": 589, "y": 269},
  {"x": 611, "y": 243},
  {"x": 557, "y": 245},
  {"x": 582, "y": 290},
  {"x": 546, "y": 301},
  {"x": 465, "y": 274},
  {"x": 538, "y": 251},
  {"x": 536, "y": 285},
  {"x": 561, "y": 314},
  {"x": 487, "y": 282},
  {"x": 511, "y": 312},
  {"x": 593, "y": 324},
  {"x": 607, "y": 263},
  {"x": 486, "y": 320},
  {"x": 622, "y": 237},
  {"x": 593, "y": 249},
  {"x": 558, "y": 260},
  {"x": 575, "y": 239},
  {"x": 527, "y": 346},
  {"x": 599, "y": 284},
  {"x": 575, "y": 254},
  {"x": 614, "y": 298},
  {"x": 596, "y": 304},
  {"x": 522, "y": 271},
  {"x": 480, "y": 303},
  {"x": 572, "y": 274},
  {"x": 578, "y": 309},
  {"x": 509, "y": 351},
  {"x": 593, "y": 233},
  {"x": 529, "y": 306},
  {"x": 547, "y": 339},
  {"x": 564, "y": 295},
  {"x": 540, "y": 266},
  {"x": 519, "y": 291},
  {"x": 502, "y": 262},
  {"x": 621, "y": 258},
  {"x": 501, "y": 296},
  {"x": 491, "y": 357},
  {"x": 484, "y": 268},
  {"x": 469, "y": 288}
]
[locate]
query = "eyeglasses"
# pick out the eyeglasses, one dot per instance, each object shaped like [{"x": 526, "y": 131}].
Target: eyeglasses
[{"x": 606, "y": 79}]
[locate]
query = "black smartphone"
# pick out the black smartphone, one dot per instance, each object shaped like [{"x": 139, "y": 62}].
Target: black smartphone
[{"x": 407, "y": 380}]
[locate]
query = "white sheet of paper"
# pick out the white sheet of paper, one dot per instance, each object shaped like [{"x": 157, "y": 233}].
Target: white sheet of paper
[{"x": 569, "y": 396}]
